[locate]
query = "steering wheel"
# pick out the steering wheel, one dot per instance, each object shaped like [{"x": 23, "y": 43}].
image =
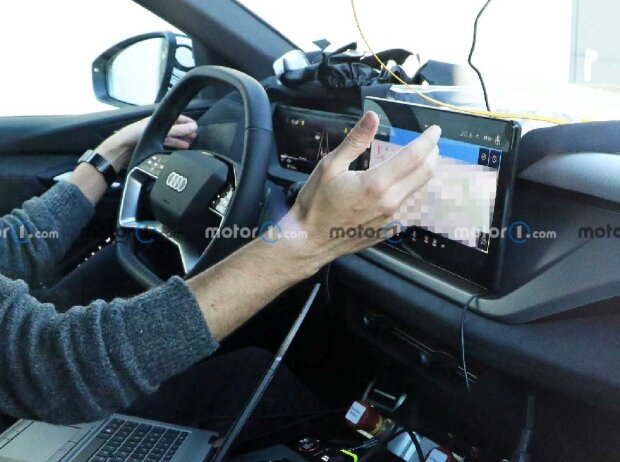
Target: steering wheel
[{"x": 184, "y": 199}]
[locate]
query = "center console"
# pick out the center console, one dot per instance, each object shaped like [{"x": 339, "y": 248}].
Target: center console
[{"x": 372, "y": 433}]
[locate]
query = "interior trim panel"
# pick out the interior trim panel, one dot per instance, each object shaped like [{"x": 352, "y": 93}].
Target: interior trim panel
[
  {"x": 576, "y": 355},
  {"x": 591, "y": 173}
]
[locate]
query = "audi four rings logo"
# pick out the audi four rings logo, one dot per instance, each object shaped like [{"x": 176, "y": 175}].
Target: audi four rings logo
[{"x": 176, "y": 181}]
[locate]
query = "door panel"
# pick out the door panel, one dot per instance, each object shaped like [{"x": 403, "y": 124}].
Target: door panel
[
  {"x": 34, "y": 150},
  {"x": 21, "y": 176}
]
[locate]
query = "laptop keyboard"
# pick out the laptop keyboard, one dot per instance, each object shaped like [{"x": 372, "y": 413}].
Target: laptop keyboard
[{"x": 126, "y": 441}]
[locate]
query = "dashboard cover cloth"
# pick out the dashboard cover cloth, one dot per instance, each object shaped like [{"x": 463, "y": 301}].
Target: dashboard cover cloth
[{"x": 347, "y": 68}]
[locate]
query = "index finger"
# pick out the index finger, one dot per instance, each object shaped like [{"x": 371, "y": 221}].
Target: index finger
[
  {"x": 183, "y": 119},
  {"x": 183, "y": 129},
  {"x": 409, "y": 157}
]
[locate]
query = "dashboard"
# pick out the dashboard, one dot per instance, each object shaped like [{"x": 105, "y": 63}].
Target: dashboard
[
  {"x": 549, "y": 202},
  {"x": 558, "y": 293},
  {"x": 450, "y": 222}
]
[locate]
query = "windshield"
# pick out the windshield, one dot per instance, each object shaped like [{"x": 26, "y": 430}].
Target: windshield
[{"x": 560, "y": 56}]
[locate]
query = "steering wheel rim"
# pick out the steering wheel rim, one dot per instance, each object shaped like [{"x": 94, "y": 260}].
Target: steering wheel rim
[{"x": 247, "y": 199}]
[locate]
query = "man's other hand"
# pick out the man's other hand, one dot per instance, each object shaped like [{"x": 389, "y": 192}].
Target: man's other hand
[{"x": 118, "y": 148}]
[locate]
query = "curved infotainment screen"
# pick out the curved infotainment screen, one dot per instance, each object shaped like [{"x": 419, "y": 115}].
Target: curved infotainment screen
[
  {"x": 304, "y": 136},
  {"x": 457, "y": 220}
]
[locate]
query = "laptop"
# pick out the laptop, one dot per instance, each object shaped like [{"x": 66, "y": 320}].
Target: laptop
[{"x": 122, "y": 438}]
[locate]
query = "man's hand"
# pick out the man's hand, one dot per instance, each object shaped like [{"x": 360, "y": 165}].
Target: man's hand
[
  {"x": 335, "y": 197},
  {"x": 118, "y": 148},
  {"x": 232, "y": 291}
]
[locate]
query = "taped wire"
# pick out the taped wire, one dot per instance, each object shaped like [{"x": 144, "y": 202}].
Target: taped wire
[
  {"x": 463, "y": 354},
  {"x": 436, "y": 102},
  {"x": 471, "y": 54}
]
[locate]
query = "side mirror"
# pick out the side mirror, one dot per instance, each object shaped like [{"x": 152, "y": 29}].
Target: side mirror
[{"x": 141, "y": 70}]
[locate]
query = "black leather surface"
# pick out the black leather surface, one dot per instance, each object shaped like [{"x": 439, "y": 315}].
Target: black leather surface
[
  {"x": 257, "y": 115},
  {"x": 258, "y": 146}
]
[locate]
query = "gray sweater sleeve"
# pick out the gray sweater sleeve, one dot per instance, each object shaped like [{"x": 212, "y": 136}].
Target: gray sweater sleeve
[
  {"x": 93, "y": 360},
  {"x": 34, "y": 238}
]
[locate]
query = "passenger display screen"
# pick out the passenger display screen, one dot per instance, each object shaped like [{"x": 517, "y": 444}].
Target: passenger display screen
[{"x": 454, "y": 220}]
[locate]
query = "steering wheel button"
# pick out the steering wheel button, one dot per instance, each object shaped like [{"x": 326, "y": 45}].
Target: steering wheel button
[{"x": 188, "y": 180}]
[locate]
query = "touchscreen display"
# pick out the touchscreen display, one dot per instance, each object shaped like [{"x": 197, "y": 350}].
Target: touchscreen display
[
  {"x": 458, "y": 203},
  {"x": 455, "y": 218}
]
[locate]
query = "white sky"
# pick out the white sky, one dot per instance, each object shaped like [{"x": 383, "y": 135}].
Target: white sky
[
  {"x": 523, "y": 47},
  {"x": 47, "y": 47},
  {"x": 514, "y": 36}
]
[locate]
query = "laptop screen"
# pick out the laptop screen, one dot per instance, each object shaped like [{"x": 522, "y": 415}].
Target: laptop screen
[{"x": 261, "y": 388}]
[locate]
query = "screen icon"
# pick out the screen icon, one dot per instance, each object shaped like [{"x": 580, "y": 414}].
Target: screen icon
[
  {"x": 483, "y": 242},
  {"x": 495, "y": 158},
  {"x": 483, "y": 157}
]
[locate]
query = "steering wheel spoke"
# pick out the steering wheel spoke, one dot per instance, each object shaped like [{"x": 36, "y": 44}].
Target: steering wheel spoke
[
  {"x": 146, "y": 232},
  {"x": 138, "y": 219},
  {"x": 186, "y": 197}
]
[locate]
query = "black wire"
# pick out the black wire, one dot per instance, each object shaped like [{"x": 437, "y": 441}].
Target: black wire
[
  {"x": 272, "y": 431},
  {"x": 369, "y": 444},
  {"x": 373, "y": 452},
  {"x": 471, "y": 53},
  {"x": 326, "y": 283},
  {"x": 525, "y": 439},
  {"x": 381, "y": 446},
  {"x": 416, "y": 443},
  {"x": 463, "y": 357},
  {"x": 277, "y": 416}
]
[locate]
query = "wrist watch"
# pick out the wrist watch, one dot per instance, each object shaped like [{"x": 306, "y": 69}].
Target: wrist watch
[{"x": 103, "y": 166}]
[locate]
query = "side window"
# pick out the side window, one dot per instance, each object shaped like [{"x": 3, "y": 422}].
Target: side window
[{"x": 48, "y": 48}]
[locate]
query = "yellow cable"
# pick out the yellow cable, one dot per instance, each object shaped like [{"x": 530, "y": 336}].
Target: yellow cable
[
  {"x": 499, "y": 115},
  {"x": 350, "y": 454}
]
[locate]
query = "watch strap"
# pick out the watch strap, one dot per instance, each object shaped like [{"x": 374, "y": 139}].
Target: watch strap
[{"x": 101, "y": 164}]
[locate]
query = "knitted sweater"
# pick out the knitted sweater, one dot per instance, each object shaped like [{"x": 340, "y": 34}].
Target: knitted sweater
[{"x": 86, "y": 363}]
